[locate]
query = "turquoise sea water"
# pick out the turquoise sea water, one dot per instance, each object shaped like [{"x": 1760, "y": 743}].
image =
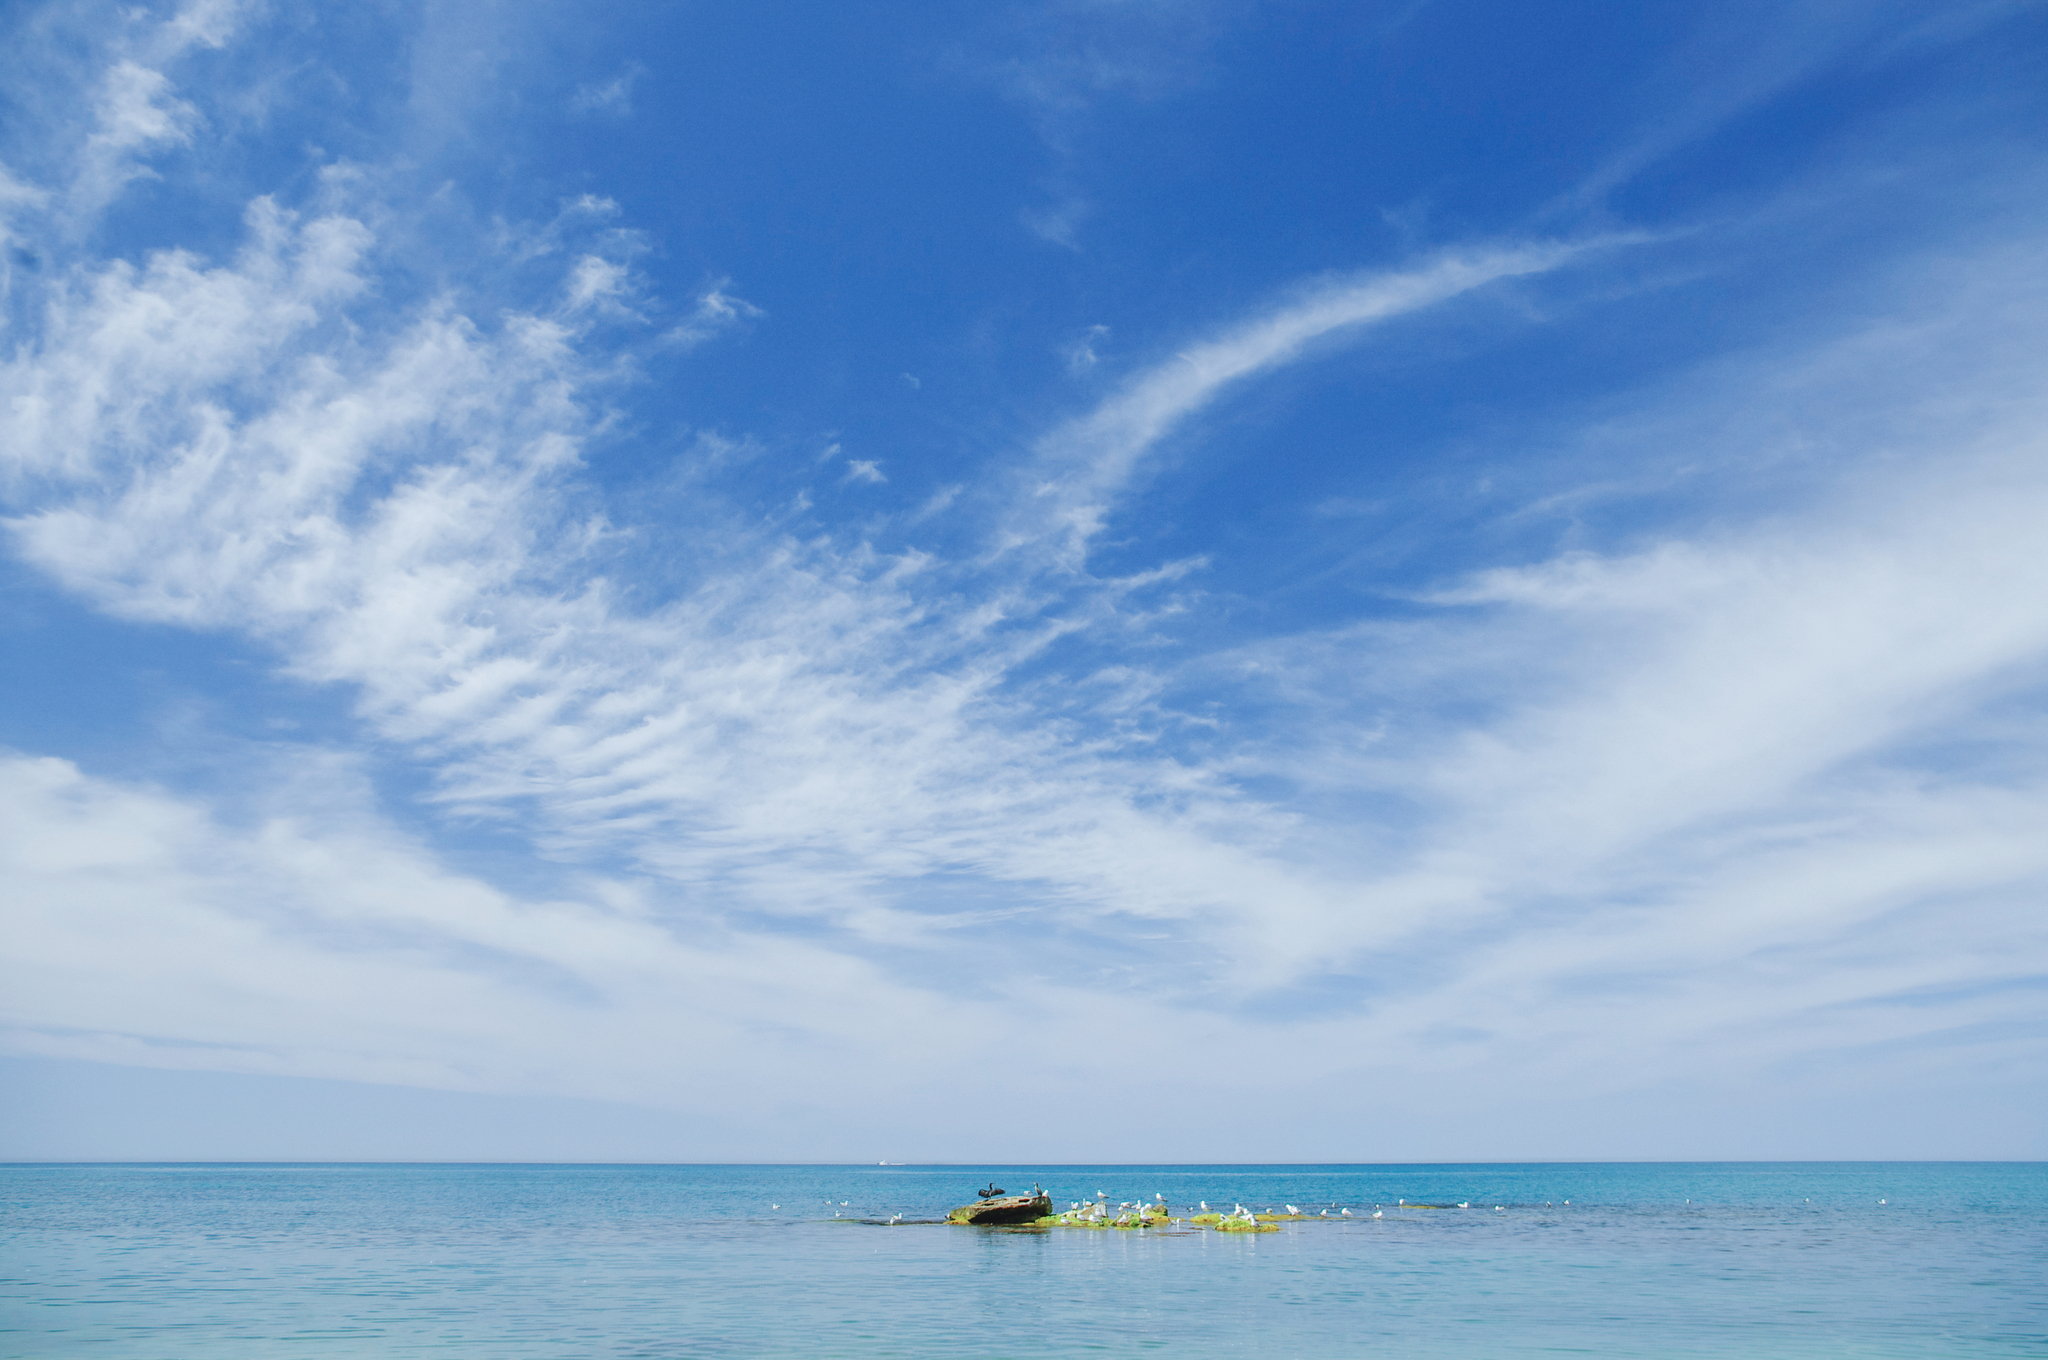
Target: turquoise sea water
[{"x": 1689, "y": 1260}]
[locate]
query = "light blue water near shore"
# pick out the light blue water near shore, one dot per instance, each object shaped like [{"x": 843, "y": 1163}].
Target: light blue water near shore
[{"x": 1696, "y": 1260}]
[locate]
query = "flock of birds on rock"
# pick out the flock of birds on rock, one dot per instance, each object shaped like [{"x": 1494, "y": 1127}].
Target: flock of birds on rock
[
  {"x": 1156, "y": 1213},
  {"x": 1139, "y": 1213}
]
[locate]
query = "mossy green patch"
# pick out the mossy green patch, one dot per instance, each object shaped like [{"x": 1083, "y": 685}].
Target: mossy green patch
[{"x": 1130, "y": 1219}]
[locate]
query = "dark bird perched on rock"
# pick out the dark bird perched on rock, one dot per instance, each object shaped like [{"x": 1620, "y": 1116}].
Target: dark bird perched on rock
[
  {"x": 993, "y": 1190},
  {"x": 997, "y": 1208}
]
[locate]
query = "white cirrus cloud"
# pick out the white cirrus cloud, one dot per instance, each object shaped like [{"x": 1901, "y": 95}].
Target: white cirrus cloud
[
  {"x": 612, "y": 98},
  {"x": 716, "y": 313},
  {"x": 1763, "y": 788},
  {"x": 1084, "y": 464}
]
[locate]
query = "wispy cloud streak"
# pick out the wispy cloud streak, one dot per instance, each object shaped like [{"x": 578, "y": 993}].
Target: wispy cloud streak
[
  {"x": 1713, "y": 786},
  {"x": 1082, "y": 466}
]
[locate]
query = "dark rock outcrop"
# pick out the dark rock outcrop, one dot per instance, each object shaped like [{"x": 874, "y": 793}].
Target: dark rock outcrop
[{"x": 1006, "y": 1209}]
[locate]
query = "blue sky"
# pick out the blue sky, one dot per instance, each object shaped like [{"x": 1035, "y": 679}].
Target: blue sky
[{"x": 1303, "y": 581}]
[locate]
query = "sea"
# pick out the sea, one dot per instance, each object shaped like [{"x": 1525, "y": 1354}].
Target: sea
[{"x": 1743, "y": 1260}]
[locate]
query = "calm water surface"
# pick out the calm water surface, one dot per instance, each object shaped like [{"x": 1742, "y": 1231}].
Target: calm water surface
[{"x": 1697, "y": 1260}]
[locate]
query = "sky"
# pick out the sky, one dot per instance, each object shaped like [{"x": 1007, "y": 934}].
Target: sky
[{"x": 1024, "y": 581}]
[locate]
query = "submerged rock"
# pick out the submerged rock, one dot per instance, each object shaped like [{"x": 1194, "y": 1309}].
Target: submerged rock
[{"x": 1231, "y": 1223}]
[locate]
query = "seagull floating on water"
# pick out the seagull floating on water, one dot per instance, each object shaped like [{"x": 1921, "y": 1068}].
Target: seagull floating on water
[{"x": 1379, "y": 1213}]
